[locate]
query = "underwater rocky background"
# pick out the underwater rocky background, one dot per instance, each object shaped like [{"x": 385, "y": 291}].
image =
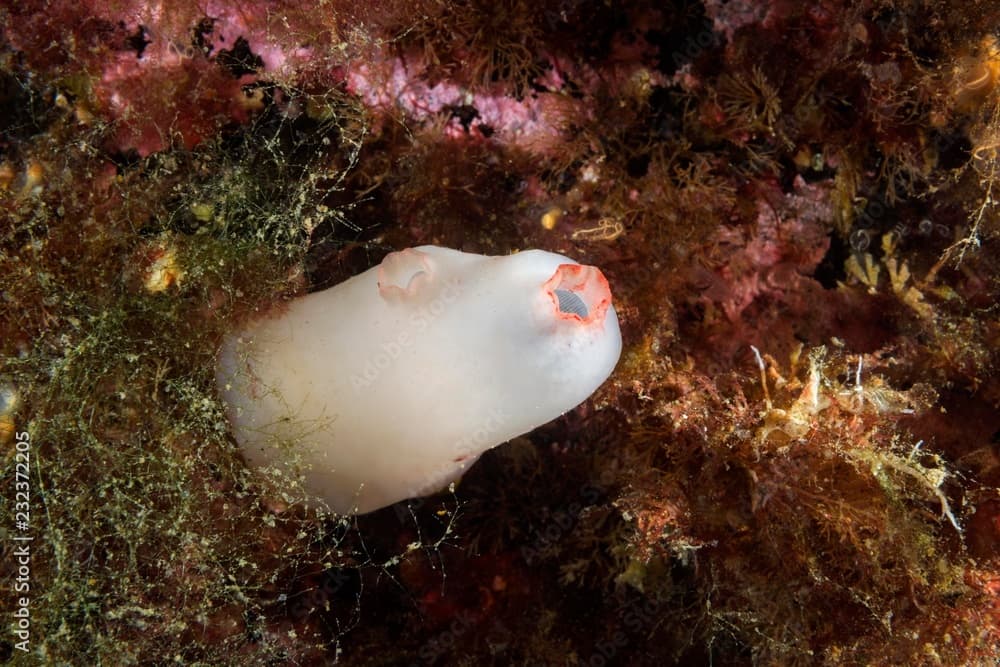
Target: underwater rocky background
[{"x": 796, "y": 462}]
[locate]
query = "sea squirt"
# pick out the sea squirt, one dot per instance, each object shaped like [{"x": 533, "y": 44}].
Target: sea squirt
[{"x": 391, "y": 384}]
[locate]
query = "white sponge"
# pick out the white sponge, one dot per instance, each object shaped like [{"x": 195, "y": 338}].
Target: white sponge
[{"x": 391, "y": 384}]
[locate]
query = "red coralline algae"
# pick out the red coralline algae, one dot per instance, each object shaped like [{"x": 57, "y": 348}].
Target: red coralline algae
[
  {"x": 728, "y": 17},
  {"x": 391, "y": 87},
  {"x": 779, "y": 258},
  {"x": 535, "y": 122},
  {"x": 162, "y": 75}
]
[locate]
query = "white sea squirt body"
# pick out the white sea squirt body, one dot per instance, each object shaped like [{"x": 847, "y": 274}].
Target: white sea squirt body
[{"x": 391, "y": 384}]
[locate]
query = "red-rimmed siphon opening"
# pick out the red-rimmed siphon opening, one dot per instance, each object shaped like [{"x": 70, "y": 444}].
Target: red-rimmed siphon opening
[
  {"x": 579, "y": 293},
  {"x": 402, "y": 273}
]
